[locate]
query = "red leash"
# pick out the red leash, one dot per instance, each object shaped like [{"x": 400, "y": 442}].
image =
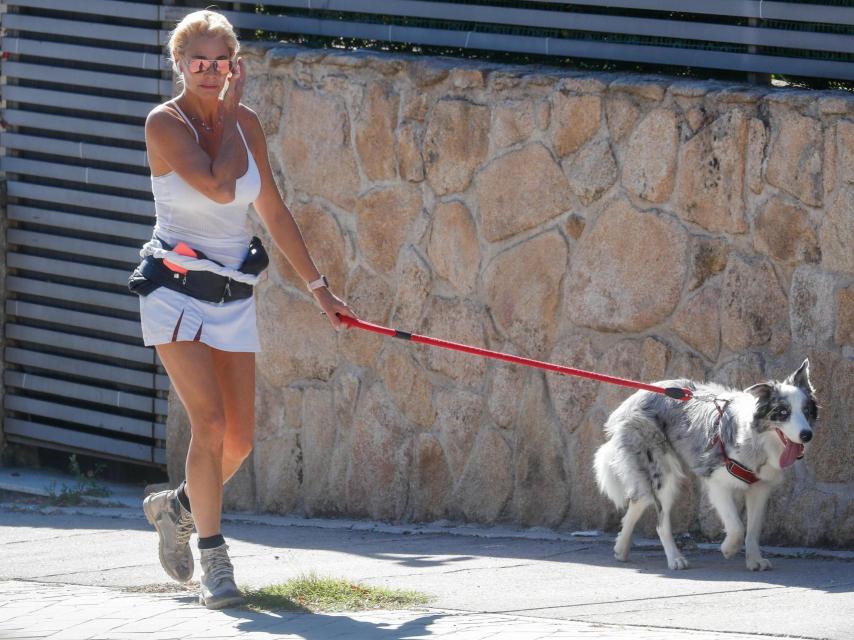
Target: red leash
[{"x": 677, "y": 393}]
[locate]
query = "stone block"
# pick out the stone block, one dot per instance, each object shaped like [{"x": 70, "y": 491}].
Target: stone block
[
  {"x": 513, "y": 122},
  {"x": 795, "y": 156},
  {"x": 783, "y": 231},
  {"x": 408, "y": 384},
  {"x": 710, "y": 178},
  {"x": 628, "y": 273},
  {"x": 708, "y": 257},
  {"x": 621, "y": 114},
  {"x": 698, "y": 322},
  {"x": 375, "y": 132},
  {"x": 317, "y": 154},
  {"x": 381, "y": 454},
  {"x": 502, "y": 395},
  {"x": 278, "y": 472},
  {"x": 844, "y": 335},
  {"x": 652, "y": 89},
  {"x": 414, "y": 282},
  {"x": 487, "y": 481},
  {"x": 459, "y": 415},
  {"x": 576, "y": 119},
  {"x": 541, "y": 487},
  {"x": 383, "y": 219},
  {"x": 845, "y": 150},
  {"x": 828, "y": 456},
  {"x": 757, "y": 143},
  {"x": 836, "y": 233},
  {"x": 591, "y": 171},
  {"x": 811, "y": 298},
  {"x": 431, "y": 481},
  {"x": 520, "y": 190},
  {"x": 411, "y": 166},
  {"x": 524, "y": 302},
  {"x": 456, "y": 143},
  {"x": 453, "y": 249},
  {"x": 649, "y": 161},
  {"x": 752, "y": 304},
  {"x": 318, "y": 431}
]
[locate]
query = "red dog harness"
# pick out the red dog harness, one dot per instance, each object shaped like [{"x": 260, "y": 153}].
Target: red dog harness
[{"x": 735, "y": 468}]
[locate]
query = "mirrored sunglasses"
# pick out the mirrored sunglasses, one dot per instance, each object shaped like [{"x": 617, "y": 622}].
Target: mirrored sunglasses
[{"x": 200, "y": 66}]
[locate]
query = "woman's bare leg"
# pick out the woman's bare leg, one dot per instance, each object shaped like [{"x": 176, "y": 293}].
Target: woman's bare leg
[
  {"x": 235, "y": 373},
  {"x": 191, "y": 370}
]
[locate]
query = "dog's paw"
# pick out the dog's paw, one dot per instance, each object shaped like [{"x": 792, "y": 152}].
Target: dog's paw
[
  {"x": 758, "y": 563},
  {"x": 622, "y": 546},
  {"x": 730, "y": 547},
  {"x": 679, "y": 562}
]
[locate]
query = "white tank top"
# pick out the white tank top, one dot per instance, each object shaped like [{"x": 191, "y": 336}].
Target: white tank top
[{"x": 184, "y": 213}]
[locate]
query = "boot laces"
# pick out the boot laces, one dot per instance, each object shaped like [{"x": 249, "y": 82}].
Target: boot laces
[
  {"x": 219, "y": 565},
  {"x": 185, "y": 527}
]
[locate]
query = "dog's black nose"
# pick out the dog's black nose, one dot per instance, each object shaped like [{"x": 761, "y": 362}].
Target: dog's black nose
[{"x": 806, "y": 435}]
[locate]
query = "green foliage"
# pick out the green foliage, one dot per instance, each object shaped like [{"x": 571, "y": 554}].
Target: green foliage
[{"x": 85, "y": 485}]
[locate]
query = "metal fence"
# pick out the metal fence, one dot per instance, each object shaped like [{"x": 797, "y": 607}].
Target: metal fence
[
  {"x": 788, "y": 38},
  {"x": 78, "y": 79}
]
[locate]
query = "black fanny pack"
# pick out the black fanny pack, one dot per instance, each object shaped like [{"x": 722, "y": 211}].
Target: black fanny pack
[{"x": 151, "y": 273}]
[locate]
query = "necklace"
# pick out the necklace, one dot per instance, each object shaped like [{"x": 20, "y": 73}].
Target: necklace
[{"x": 204, "y": 124}]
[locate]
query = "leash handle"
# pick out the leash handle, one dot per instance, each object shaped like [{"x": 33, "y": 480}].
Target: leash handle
[{"x": 677, "y": 393}]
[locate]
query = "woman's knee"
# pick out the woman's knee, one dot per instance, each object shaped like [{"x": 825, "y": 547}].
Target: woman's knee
[{"x": 209, "y": 430}]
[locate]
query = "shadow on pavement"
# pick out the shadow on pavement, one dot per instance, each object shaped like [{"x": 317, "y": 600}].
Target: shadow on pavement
[{"x": 423, "y": 552}]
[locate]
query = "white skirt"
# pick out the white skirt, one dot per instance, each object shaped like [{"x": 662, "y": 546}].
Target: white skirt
[{"x": 171, "y": 316}]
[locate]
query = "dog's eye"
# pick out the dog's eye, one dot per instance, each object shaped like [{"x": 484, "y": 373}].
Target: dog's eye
[{"x": 780, "y": 415}]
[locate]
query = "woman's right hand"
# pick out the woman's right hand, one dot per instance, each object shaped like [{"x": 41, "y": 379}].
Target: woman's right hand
[{"x": 234, "y": 91}]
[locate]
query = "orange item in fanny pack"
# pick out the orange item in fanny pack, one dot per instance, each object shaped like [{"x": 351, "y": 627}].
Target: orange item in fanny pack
[{"x": 182, "y": 248}]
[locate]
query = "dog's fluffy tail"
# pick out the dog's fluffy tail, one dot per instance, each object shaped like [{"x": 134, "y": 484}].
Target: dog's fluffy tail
[{"x": 608, "y": 482}]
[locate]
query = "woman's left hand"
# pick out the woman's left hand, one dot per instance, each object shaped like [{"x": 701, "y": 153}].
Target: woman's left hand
[{"x": 332, "y": 305}]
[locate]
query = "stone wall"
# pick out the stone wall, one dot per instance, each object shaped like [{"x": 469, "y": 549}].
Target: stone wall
[{"x": 639, "y": 226}]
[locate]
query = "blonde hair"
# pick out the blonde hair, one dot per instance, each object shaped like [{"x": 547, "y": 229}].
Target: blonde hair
[{"x": 201, "y": 23}]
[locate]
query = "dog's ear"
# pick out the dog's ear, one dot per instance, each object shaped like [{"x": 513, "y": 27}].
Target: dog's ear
[
  {"x": 801, "y": 378},
  {"x": 762, "y": 392}
]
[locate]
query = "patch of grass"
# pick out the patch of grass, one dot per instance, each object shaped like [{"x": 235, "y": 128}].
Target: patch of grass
[
  {"x": 86, "y": 485},
  {"x": 314, "y": 593}
]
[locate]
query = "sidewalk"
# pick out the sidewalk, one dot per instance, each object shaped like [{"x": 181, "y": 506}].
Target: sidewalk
[
  {"x": 66, "y": 612},
  {"x": 68, "y": 569}
]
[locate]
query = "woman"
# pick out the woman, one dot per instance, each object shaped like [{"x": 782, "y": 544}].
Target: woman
[{"x": 208, "y": 159}]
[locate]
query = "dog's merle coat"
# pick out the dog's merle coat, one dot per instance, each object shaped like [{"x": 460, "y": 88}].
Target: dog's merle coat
[{"x": 654, "y": 439}]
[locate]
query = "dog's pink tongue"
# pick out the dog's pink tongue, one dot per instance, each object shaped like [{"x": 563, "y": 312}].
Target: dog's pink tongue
[{"x": 792, "y": 452}]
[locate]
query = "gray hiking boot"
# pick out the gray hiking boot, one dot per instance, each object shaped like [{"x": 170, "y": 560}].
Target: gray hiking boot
[
  {"x": 174, "y": 524},
  {"x": 218, "y": 589}
]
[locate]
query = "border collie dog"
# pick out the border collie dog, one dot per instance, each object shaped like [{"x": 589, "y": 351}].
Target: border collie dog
[{"x": 735, "y": 441}]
